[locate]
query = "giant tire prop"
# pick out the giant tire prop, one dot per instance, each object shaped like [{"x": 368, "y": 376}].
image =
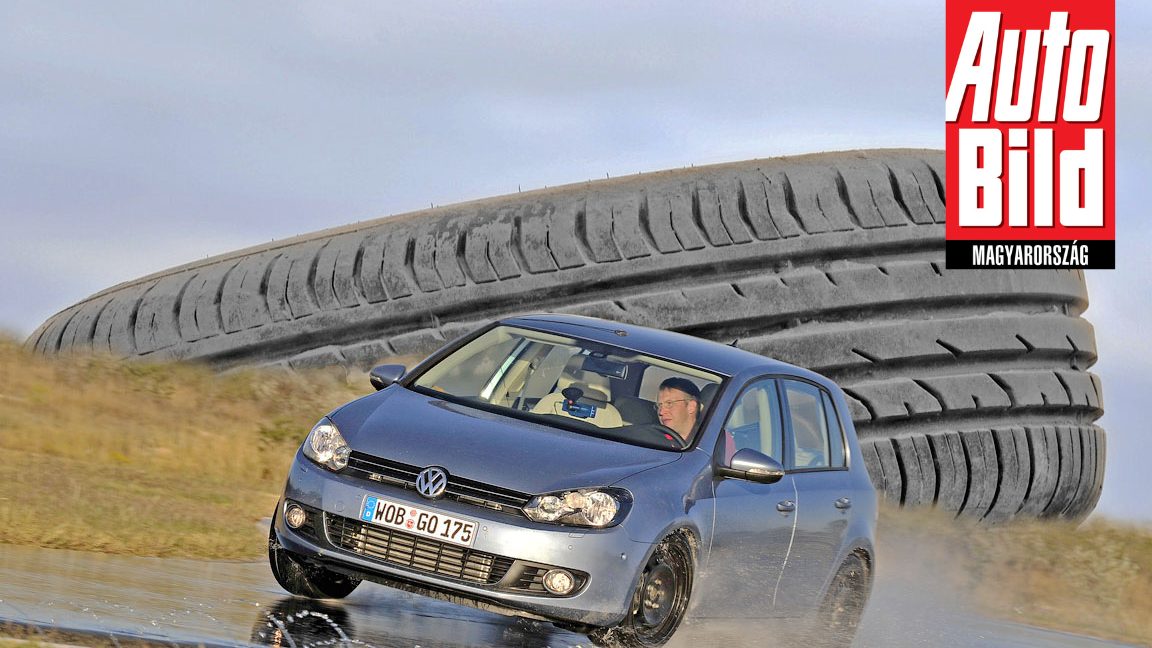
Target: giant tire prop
[{"x": 968, "y": 388}]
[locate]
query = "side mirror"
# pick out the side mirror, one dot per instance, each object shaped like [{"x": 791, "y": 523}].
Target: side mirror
[
  {"x": 385, "y": 375},
  {"x": 754, "y": 466}
]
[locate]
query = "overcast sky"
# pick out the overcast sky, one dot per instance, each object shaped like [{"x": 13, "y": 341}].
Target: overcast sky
[{"x": 136, "y": 136}]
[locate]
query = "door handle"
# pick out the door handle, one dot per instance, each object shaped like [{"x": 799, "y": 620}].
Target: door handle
[
  {"x": 843, "y": 503},
  {"x": 787, "y": 506}
]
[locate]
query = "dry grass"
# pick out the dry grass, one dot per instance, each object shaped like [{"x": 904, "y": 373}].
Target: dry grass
[
  {"x": 149, "y": 459},
  {"x": 18, "y": 635},
  {"x": 22, "y": 643},
  {"x": 1094, "y": 579}
]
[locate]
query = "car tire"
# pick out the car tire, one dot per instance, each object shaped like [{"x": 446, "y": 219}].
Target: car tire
[
  {"x": 659, "y": 602},
  {"x": 969, "y": 389},
  {"x": 301, "y": 579},
  {"x": 843, "y": 607}
]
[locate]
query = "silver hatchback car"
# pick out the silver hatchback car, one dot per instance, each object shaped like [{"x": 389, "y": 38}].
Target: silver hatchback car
[{"x": 605, "y": 477}]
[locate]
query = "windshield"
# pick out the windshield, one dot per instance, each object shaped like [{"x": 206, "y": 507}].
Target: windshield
[{"x": 576, "y": 384}]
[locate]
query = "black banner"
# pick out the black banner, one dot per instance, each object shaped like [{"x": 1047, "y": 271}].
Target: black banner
[{"x": 1084, "y": 255}]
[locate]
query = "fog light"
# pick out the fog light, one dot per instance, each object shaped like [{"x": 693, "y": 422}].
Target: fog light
[
  {"x": 559, "y": 581},
  {"x": 295, "y": 516}
]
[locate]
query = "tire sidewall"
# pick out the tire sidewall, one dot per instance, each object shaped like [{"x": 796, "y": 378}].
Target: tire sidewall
[{"x": 844, "y": 603}]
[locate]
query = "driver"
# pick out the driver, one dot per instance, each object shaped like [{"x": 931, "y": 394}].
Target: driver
[{"x": 678, "y": 405}]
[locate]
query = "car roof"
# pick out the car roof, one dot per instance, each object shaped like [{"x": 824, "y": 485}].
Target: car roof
[{"x": 698, "y": 352}]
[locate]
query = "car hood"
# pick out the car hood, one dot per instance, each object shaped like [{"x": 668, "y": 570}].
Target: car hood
[{"x": 405, "y": 426}]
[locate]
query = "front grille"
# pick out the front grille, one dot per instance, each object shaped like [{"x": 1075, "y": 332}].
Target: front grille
[
  {"x": 465, "y": 491},
  {"x": 423, "y": 554}
]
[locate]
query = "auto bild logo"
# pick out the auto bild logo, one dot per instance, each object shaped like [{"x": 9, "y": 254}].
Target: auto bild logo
[
  {"x": 431, "y": 482},
  {"x": 1030, "y": 134}
]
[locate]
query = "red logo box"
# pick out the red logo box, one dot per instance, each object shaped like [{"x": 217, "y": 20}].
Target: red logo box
[{"x": 1030, "y": 110}]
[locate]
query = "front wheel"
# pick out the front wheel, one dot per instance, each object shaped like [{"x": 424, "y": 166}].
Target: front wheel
[
  {"x": 659, "y": 602},
  {"x": 302, "y": 579}
]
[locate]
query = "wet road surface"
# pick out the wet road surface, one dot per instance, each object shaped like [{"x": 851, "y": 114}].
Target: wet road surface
[{"x": 230, "y": 603}]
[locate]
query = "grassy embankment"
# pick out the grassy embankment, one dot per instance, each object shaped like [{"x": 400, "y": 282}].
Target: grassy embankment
[
  {"x": 173, "y": 460},
  {"x": 1093, "y": 579},
  {"x": 148, "y": 459}
]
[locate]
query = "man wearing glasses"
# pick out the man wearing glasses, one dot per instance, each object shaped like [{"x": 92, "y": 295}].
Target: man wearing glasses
[{"x": 678, "y": 405}]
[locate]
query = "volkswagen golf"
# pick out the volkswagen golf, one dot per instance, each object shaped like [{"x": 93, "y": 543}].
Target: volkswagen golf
[{"x": 605, "y": 477}]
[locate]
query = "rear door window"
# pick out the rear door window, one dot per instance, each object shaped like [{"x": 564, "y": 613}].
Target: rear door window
[
  {"x": 817, "y": 440},
  {"x": 835, "y": 432}
]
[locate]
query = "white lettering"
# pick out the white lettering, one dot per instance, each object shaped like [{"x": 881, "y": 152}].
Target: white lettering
[
  {"x": 1042, "y": 173},
  {"x": 978, "y": 67},
  {"x": 1020, "y": 255},
  {"x": 979, "y": 41},
  {"x": 1021, "y": 110},
  {"x": 1018, "y": 178},
  {"x": 1091, "y": 161},
  {"x": 1097, "y": 40},
  {"x": 973, "y": 177},
  {"x": 1055, "y": 40}
]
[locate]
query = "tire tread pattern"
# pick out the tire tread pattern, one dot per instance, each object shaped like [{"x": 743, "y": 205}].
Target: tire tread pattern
[{"x": 970, "y": 389}]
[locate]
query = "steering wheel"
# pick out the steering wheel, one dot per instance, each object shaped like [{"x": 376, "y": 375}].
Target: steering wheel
[{"x": 657, "y": 434}]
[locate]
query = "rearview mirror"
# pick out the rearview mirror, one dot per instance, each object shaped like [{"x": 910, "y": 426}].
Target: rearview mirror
[
  {"x": 754, "y": 466},
  {"x": 385, "y": 375}
]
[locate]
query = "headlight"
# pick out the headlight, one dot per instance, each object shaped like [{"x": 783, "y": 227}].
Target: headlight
[
  {"x": 587, "y": 507},
  {"x": 326, "y": 447}
]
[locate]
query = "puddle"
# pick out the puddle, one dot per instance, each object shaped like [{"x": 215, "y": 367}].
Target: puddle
[{"x": 238, "y": 603}]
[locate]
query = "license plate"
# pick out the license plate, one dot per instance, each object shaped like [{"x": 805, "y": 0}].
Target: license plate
[{"x": 417, "y": 521}]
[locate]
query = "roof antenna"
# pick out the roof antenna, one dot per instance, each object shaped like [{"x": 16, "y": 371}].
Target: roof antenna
[{"x": 734, "y": 342}]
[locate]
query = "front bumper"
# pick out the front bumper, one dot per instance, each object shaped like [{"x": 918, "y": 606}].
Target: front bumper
[{"x": 506, "y": 550}]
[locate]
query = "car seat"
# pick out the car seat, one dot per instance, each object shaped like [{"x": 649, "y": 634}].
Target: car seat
[
  {"x": 596, "y": 391},
  {"x": 637, "y": 411},
  {"x": 603, "y": 415}
]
